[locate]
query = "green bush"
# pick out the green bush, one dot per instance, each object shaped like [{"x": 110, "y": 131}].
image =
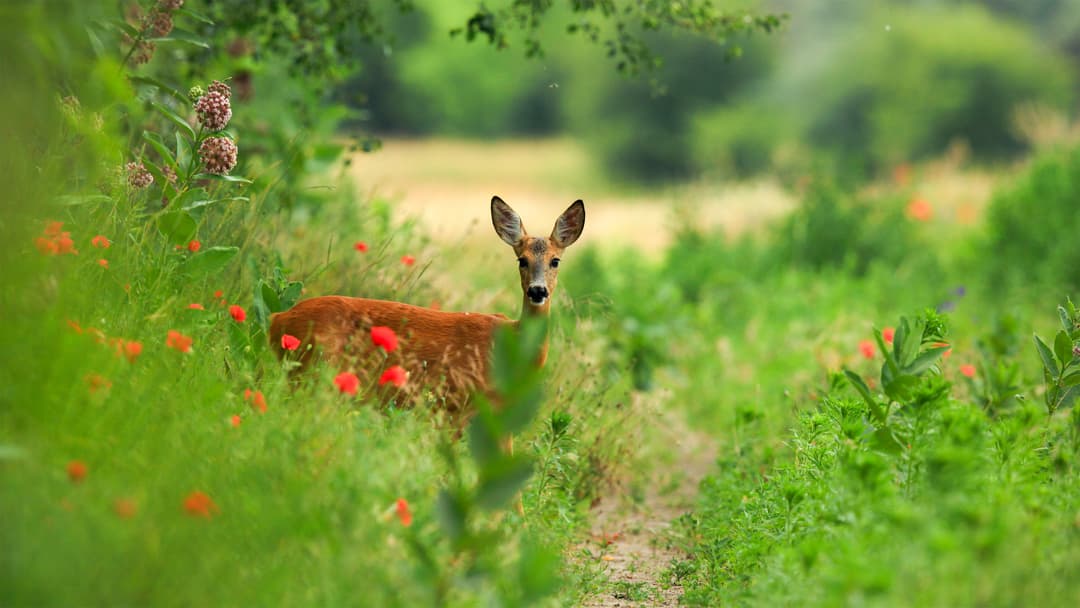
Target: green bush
[
  {"x": 928, "y": 78},
  {"x": 1033, "y": 225}
]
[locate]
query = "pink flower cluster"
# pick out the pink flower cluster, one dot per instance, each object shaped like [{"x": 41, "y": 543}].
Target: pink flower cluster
[
  {"x": 218, "y": 155},
  {"x": 138, "y": 176},
  {"x": 214, "y": 109}
]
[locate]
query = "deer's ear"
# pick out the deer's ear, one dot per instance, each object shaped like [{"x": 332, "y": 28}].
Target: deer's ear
[
  {"x": 506, "y": 221},
  {"x": 569, "y": 225}
]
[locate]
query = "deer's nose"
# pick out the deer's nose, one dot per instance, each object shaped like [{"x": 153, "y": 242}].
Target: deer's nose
[{"x": 537, "y": 293}]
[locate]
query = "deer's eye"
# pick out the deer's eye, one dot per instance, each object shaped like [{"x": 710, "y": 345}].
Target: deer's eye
[
  {"x": 522, "y": 263},
  {"x": 554, "y": 262}
]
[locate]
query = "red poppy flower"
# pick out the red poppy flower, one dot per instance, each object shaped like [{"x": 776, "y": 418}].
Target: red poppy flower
[
  {"x": 408, "y": 260},
  {"x": 198, "y": 504},
  {"x": 101, "y": 242},
  {"x": 968, "y": 370},
  {"x": 290, "y": 342},
  {"x": 395, "y": 375},
  {"x": 103, "y": 263},
  {"x": 361, "y": 246},
  {"x": 347, "y": 382},
  {"x": 64, "y": 244},
  {"x": 53, "y": 228},
  {"x": 179, "y": 341},
  {"x": 195, "y": 306},
  {"x": 920, "y": 210},
  {"x": 258, "y": 402},
  {"x": 194, "y": 246},
  {"x": 125, "y": 508},
  {"x": 130, "y": 349},
  {"x": 97, "y": 382},
  {"x": 218, "y": 293},
  {"x": 76, "y": 470},
  {"x": 384, "y": 337},
  {"x": 887, "y": 334},
  {"x": 237, "y": 313},
  {"x": 46, "y": 246},
  {"x": 403, "y": 512},
  {"x": 235, "y": 421},
  {"x": 866, "y": 347}
]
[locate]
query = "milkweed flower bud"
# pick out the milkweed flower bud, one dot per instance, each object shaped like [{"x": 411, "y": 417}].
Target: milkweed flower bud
[
  {"x": 138, "y": 176},
  {"x": 195, "y": 92},
  {"x": 214, "y": 110},
  {"x": 218, "y": 155}
]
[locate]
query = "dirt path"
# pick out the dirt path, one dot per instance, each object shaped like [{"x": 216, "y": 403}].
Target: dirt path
[{"x": 631, "y": 539}]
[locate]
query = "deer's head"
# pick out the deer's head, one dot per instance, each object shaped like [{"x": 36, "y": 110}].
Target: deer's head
[{"x": 538, "y": 257}]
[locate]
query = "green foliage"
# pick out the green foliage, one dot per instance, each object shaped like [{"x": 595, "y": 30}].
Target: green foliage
[
  {"x": 934, "y": 76},
  {"x": 1032, "y": 224}
]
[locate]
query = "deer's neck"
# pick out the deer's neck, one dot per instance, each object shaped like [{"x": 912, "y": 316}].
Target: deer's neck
[{"x": 528, "y": 311}]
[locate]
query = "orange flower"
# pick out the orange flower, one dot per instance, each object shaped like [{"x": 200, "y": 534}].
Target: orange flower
[
  {"x": 194, "y": 246},
  {"x": 218, "y": 293},
  {"x": 96, "y": 382},
  {"x": 46, "y": 246},
  {"x": 361, "y": 246},
  {"x": 64, "y": 244},
  {"x": 919, "y": 210},
  {"x": 408, "y": 260},
  {"x": 101, "y": 242},
  {"x": 74, "y": 325},
  {"x": 347, "y": 382},
  {"x": 866, "y": 347},
  {"x": 235, "y": 420},
  {"x": 53, "y": 228},
  {"x": 76, "y": 470},
  {"x": 395, "y": 375},
  {"x": 237, "y": 313},
  {"x": 290, "y": 342},
  {"x": 384, "y": 337},
  {"x": 403, "y": 512},
  {"x": 968, "y": 370},
  {"x": 887, "y": 334},
  {"x": 195, "y": 306},
  {"x": 179, "y": 341},
  {"x": 103, "y": 263},
  {"x": 125, "y": 508},
  {"x": 132, "y": 350},
  {"x": 257, "y": 400},
  {"x": 198, "y": 504}
]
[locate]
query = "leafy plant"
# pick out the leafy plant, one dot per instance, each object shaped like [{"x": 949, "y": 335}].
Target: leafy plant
[{"x": 1061, "y": 365}]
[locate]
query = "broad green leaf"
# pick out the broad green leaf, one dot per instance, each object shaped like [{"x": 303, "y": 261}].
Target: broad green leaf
[
  {"x": 183, "y": 154},
  {"x": 122, "y": 26},
  {"x": 501, "y": 480},
  {"x": 155, "y": 142},
  {"x": 520, "y": 410},
  {"x": 223, "y": 178},
  {"x": 1047, "y": 358},
  {"x": 290, "y": 295},
  {"x": 95, "y": 42},
  {"x": 538, "y": 572},
  {"x": 860, "y": 386},
  {"x": 200, "y": 204},
  {"x": 1070, "y": 395},
  {"x": 1071, "y": 379},
  {"x": 484, "y": 434},
  {"x": 187, "y": 199},
  {"x": 82, "y": 199},
  {"x": 161, "y": 86},
  {"x": 175, "y": 118},
  {"x": 177, "y": 226},
  {"x": 209, "y": 261},
  {"x": 1063, "y": 348},
  {"x": 196, "y": 16},
  {"x": 900, "y": 387},
  {"x": 925, "y": 360},
  {"x": 451, "y": 511},
  {"x": 885, "y": 441},
  {"x": 268, "y": 296},
  {"x": 178, "y": 35},
  {"x": 1066, "y": 320}
]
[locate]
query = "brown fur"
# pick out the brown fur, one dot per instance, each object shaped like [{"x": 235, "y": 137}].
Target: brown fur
[{"x": 448, "y": 352}]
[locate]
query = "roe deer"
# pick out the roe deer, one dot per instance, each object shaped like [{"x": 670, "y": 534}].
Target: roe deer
[{"x": 452, "y": 348}]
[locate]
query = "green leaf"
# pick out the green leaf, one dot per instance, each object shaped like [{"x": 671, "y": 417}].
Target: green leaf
[
  {"x": 95, "y": 42},
  {"x": 122, "y": 26},
  {"x": 161, "y": 86},
  {"x": 177, "y": 226},
  {"x": 484, "y": 434},
  {"x": 183, "y": 154},
  {"x": 885, "y": 441},
  {"x": 1070, "y": 395},
  {"x": 452, "y": 512},
  {"x": 925, "y": 360},
  {"x": 193, "y": 15},
  {"x": 538, "y": 572},
  {"x": 901, "y": 387},
  {"x": 224, "y": 178},
  {"x": 187, "y": 199},
  {"x": 155, "y": 142},
  {"x": 1066, "y": 320},
  {"x": 1063, "y": 348},
  {"x": 290, "y": 295},
  {"x": 175, "y": 118},
  {"x": 520, "y": 410},
  {"x": 1047, "y": 358},
  {"x": 268, "y": 296},
  {"x": 501, "y": 480},
  {"x": 184, "y": 37},
  {"x": 1071, "y": 379},
  {"x": 209, "y": 261},
  {"x": 200, "y": 204},
  {"x": 82, "y": 199}
]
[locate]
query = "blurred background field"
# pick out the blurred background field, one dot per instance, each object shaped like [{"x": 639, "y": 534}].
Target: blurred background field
[{"x": 820, "y": 239}]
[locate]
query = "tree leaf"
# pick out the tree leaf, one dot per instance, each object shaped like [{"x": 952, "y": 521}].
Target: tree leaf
[
  {"x": 501, "y": 480},
  {"x": 1047, "y": 358},
  {"x": 175, "y": 118},
  {"x": 209, "y": 261},
  {"x": 177, "y": 226}
]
